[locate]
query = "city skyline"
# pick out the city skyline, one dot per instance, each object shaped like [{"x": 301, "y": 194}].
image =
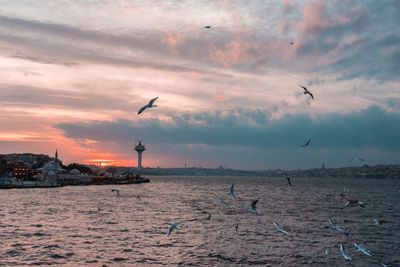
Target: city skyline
[{"x": 74, "y": 75}]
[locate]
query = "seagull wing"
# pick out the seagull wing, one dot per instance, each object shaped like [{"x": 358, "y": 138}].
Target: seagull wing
[
  {"x": 222, "y": 200},
  {"x": 142, "y": 109},
  {"x": 305, "y": 89},
  {"x": 308, "y": 92},
  {"x": 152, "y": 101},
  {"x": 253, "y": 204},
  {"x": 307, "y": 143},
  {"x": 288, "y": 179}
]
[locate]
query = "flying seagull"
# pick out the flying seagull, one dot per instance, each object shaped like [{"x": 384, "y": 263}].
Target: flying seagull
[
  {"x": 207, "y": 27},
  {"x": 279, "y": 228},
  {"x": 222, "y": 200},
  {"x": 236, "y": 228},
  {"x": 115, "y": 190},
  {"x": 149, "y": 105},
  {"x": 231, "y": 192},
  {"x": 307, "y": 92},
  {"x": 307, "y": 143},
  {"x": 352, "y": 202},
  {"x": 354, "y": 159},
  {"x": 172, "y": 227},
  {"x": 347, "y": 257},
  {"x": 363, "y": 250},
  {"x": 208, "y": 216},
  {"x": 377, "y": 223},
  {"x": 253, "y": 207},
  {"x": 288, "y": 179},
  {"x": 291, "y": 43},
  {"x": 334, "y": 226}
]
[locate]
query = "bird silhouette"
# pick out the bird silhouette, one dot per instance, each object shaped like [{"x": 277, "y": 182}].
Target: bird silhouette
[
  {"x": 307, "y": 92},
  {"x": 307, "y": 143},
  {"x": 149, "y": 105}
]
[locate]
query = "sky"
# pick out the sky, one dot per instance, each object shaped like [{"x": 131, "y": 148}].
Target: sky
[{"x": 73, "y": 75}]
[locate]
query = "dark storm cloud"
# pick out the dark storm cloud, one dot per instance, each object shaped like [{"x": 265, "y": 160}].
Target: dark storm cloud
[{"x": 369, "y": 128}]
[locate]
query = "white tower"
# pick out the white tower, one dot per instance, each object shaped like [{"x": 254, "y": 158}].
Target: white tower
[{"x": 139, "y": 149}]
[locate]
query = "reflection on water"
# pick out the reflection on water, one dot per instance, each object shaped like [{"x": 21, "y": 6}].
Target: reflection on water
[{"x": 91, "y": 226}]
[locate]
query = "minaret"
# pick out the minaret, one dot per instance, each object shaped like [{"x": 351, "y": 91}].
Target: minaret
[
  {"x": 139, "y": 149},
  {"x": 56, "y": 156}
]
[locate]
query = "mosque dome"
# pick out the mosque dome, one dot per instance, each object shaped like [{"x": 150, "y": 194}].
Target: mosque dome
[{"x": 49, "y": 166}]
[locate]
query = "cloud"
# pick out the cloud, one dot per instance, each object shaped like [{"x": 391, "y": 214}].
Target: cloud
[
  {"x": 287, "y": 6},
  {"x": 246, "y": 128},
  {"x": 28, "y": 96}
]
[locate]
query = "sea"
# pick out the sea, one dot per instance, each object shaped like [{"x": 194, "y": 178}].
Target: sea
[{"x": 92, "y": 226}]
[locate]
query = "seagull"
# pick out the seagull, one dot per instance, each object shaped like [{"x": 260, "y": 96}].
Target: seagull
[
  {"x": 222, "y": 200},
  {"x": 352, "y": 202},
  {"x": 326, "y": 251},
  {"x": 307, "y": 92},
  {"x": 345, "y": 189},
  {"x": 231, "y": 192},
  {"x": 307, "y": 143},
  {"x": 354, "y": 159},
  {"x": 253, "y": 207},
  {"x": 347, "y": 233},
  {"x": 268, "y": 248},
  {"x": 115, "y": 190},
  {"x": 209, "y": 216},
  {"x": 236, "y": 228},
  {"x": 288, "y": 179},
  {"x": 172, "y": 227},
  {"x": 279, "y": 228},
  {"x": 377, "y": 223},
  {"x": 149, "y": 105},
  {"x": 138, "y": 197},
  {"x": 204, "y": 246},
  {"x": 347, "y": 257},
  {"x": 334, "y": 226},
  {"x": 207, "y": 27},
  {"x": 291, "y": 43},
  {"x": 363, "y": 250}
]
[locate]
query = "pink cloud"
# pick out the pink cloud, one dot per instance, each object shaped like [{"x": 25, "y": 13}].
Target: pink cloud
[
  {"x": 233, "y": 53},
  {"x": 193, "y": 75},
  {"x": 221, "y": 98},
  {"x": 172, "y": 39},
  {"x": 314, "y": 17},
  {"x": 287, "y": 6}
]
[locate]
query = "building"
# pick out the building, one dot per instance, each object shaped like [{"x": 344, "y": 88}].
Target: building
[{"x": 139, "y": 149}]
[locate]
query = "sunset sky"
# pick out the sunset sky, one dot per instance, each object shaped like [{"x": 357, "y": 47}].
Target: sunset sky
[{"x": 75, "y": 73}]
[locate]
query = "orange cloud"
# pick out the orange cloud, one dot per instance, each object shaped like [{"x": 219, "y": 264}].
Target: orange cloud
[
  {"x": 221, "y": 98},
  {"x": 193, "y": 75},
  {"x": 233, "y": 53},
  {"x": 172, "y": 39}
]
